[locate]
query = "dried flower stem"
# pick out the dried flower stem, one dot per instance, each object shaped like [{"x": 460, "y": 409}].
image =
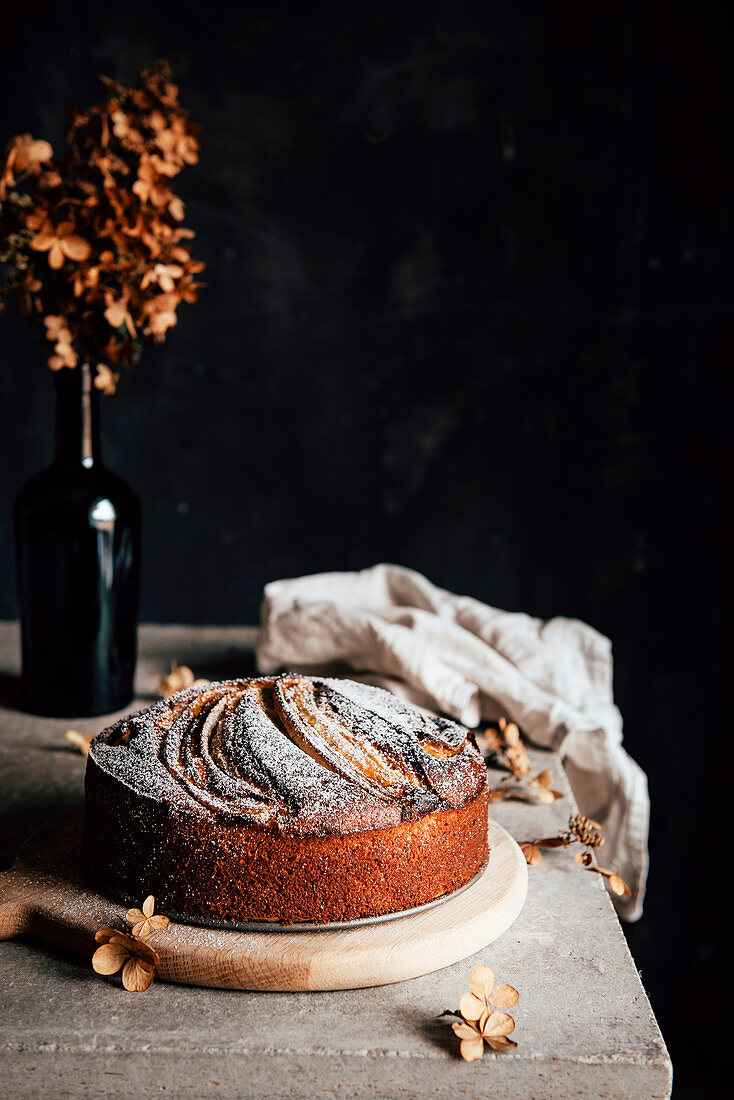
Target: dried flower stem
[{"x": 581, "y": 830}]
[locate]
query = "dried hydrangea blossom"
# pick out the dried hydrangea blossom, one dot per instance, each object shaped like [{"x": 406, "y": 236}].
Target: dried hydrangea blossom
[
  {"x": 93, "y": 245},
  {"x": 481, "y": 1017}
]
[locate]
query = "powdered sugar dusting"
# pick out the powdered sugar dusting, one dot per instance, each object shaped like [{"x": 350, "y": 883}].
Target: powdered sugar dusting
[{"x": 292, "y": 754}]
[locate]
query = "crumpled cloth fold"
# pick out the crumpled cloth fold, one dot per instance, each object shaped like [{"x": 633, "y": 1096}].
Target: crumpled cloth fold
[{"x": 391, "y": 626}]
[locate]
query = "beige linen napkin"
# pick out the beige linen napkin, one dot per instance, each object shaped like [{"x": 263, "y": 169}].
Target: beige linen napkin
[{"x": 391, "y": 626}]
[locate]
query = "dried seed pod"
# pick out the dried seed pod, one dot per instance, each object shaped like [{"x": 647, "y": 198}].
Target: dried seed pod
[{"x": 531, "y": 852}]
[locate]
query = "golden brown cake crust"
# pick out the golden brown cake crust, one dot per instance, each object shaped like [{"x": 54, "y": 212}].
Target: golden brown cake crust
[{"x": 284, "y": 798}]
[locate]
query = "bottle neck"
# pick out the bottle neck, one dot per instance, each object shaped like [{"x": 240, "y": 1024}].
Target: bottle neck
[{"x": 77, "y": 418}]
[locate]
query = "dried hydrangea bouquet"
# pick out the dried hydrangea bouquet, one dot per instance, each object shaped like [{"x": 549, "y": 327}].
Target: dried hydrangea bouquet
[
  {"x": 93, "y": 242},
  {"x": 93, "y": 246}
]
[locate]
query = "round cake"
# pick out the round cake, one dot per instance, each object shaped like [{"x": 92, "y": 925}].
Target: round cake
[{"x": 284, "y": 799}]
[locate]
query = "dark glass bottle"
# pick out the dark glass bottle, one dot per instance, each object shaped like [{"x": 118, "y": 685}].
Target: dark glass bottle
[{"x": 78, "y": 554}]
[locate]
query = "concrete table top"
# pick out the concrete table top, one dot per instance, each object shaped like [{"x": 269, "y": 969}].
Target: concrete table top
[{"x": 584, "y": 1025}]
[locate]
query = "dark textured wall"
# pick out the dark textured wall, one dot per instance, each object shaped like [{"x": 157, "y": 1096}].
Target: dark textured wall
[{"x": 469, "y": 309}]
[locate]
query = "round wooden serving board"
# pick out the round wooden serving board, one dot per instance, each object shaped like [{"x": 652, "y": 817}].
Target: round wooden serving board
[{"x": 46, "y": 896}]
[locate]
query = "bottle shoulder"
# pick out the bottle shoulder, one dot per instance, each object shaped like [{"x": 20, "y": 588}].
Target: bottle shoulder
[{"x": 74, "y": 487}]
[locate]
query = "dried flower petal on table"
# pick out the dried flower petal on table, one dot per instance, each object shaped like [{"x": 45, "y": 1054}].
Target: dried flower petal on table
[
  {"x": 492, "y": 1028},
  {"x": 478, "y": 1020},
  {"x": 495, "y": 1029},
  {"x": 104, "y": 935},
  {"x": 146, "y": 920},
  {"x": 486, "y": 993},
  {"x": 472, "y": 1042},
  {"x": 135, "y": 958},
  {"x": 179, "y": 677},
  {"x": 616, "y": 883},
  {"x": 79, "y": 741},
  {"x": 531, "y": 848},
  {"x": 531, "y": 852},
  {"x": 542, "y": 787},
  {"x": 619, "y": 887}
]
